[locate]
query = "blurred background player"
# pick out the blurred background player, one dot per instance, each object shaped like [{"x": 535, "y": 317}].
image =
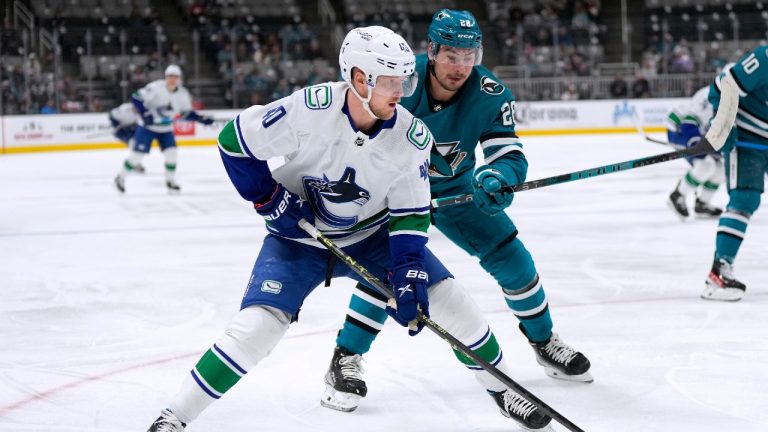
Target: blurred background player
[
  {"x": 739, "y": 96},
  {"x": 356, "y": 167},
  {"x": 685, "y": 127},
  {"x": 464, "y": 106},
  {"x": 158, "y": 104},
  {"x": 123, "y": 120}
]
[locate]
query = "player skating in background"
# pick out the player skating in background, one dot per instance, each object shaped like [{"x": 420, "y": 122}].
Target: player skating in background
[
  {"x": 356, "y": 165},
  {"x": 123, "y": 120},
  {"x": 158, "y": 104},
  {"x": 464, "y": 106},
  {"x": 739, "y": 96},
  {"x": 685, "y": 127}
]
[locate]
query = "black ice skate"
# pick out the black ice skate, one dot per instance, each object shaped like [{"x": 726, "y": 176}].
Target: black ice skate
[
  {"x": 167, "y": 422},
  {"x": 514, "y": 406},
  {"x": 722, "y": 284},
  {"x": 344, "y": 385},
  {"x": 120, "y": 184},
  {"x": 560, "y": 360},
  {"x": 676, "y": 202},
  {"x": 705, "y": 210},
  {"x": 172, "y": 186}
]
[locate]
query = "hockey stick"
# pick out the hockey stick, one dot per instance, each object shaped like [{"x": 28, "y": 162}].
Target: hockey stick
[
  {"x": 642, "y": 132},
  {"x": 437, "y": 329},
  {"x": 702, "y": 147}
]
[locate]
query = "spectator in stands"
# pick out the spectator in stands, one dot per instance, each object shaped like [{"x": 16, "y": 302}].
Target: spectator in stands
[
  {"x": 640, "y": 87},
  {"x": 618, "y": 88},
  {"x": 570, "y": 93}
]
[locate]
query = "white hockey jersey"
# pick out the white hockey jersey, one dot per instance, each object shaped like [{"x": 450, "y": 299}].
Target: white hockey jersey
[
  {"x": 163, "y": 105},
  {"x": 124, "y": 115},
  {"x": 354, "y": 182},
  {"x": 696, "y": 111}
]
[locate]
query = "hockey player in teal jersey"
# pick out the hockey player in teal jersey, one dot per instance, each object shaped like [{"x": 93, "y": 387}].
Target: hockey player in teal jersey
[
  {"x": 464, "y": 106},
  {"x": 739, "y": 96}
]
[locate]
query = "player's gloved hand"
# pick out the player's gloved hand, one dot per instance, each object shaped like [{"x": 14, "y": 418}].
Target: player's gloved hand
[
  {"x": 488, "y": 195},
  {"x": 409, "y": 285},
  {"x": 206, "y": 120},
  {"x": 148, "y": 118},
  {"x": 283, "y": 211}
]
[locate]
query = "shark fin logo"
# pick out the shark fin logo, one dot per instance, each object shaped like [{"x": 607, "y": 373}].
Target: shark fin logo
[{"x": 490, "y": 86}]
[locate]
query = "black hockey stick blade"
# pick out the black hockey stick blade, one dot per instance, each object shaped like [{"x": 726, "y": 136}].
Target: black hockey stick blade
[
  {"x": 702, "y": 147},
  {"x": 437, "y": 329}
]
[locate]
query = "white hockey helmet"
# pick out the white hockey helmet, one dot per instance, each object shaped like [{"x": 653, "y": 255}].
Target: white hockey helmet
[
  {"x": 378, "y": 52},
  {"x": 173, "y": 70}
]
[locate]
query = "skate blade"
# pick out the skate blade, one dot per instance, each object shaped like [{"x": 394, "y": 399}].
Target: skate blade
[
  {"x": 547, "y": 428},
  {"x": 671, "y": 206},
  {"x": 586, "y": 377},
  {"x": 339, "y": 401},
  {"x": 715, "y": 293},
  {"x": 705, "y": 216}
]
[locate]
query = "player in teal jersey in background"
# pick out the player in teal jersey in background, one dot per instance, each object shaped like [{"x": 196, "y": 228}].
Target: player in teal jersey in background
[
  {"x": 464, "y": 106},
  {"x": 739, "y": 96}
]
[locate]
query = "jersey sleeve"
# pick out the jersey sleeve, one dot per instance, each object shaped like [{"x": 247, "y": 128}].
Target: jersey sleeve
[
  {"x": 255, "y": 135},
  {"x": 751, "y": 72},
  {"x": 502, "y": 148},
  {"x": 409, "y": 204}
]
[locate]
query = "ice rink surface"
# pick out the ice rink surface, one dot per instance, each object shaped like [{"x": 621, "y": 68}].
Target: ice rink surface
[{"x": 107, "y": 301}]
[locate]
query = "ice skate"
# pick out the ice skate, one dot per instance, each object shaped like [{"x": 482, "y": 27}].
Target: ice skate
[
  {"x": 167, "y": 422},
  {"x": 560, "y": 360},
  {"x": 172, "y": 187},
  {"x": 514, "y": 406},
  {"x": 120, "y": 184},
  {"x": 722, "y": 284},
  {"x": 344, "y": 385},
  {"x": 704, "y": 210},
  {"x": 676, "y": 202}
]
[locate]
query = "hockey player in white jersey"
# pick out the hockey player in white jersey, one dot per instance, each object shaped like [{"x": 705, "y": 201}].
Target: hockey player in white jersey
[
  {"x": 356, "y": 166},
  {"x": 124, "y": 119},
  {"x": 158, "y": 104},
  {"x": 685, "y": 127}
]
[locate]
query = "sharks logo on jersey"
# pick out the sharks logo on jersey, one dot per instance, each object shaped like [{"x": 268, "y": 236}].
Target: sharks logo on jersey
[
  {"x": 445, "y": 158},
  {"x": 332, "y": 199},
  {"x": 490, "y": 86}
]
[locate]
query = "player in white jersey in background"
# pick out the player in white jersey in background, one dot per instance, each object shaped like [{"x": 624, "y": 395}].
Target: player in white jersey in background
[
  {"x": 158, "y": 104},
  {"x": 124, "y": 120},
  {"x": 685, "y": 127},
  {"x": 356, "y": 166}
]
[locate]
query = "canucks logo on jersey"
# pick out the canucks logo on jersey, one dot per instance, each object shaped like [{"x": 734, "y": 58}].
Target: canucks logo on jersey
[{"x": 331, "y": 200}]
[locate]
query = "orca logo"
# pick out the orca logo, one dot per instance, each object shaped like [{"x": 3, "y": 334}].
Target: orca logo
[
  {"x": 331, "y": 200},
  {"x": 490, "y": 86}
]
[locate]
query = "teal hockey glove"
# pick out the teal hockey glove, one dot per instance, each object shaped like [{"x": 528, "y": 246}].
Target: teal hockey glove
[
  {"x": 487, "y": 195},
  {"x": 409, "y": 286}
]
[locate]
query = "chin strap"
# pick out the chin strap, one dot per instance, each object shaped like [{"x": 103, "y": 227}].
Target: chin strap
[{"x": 366, "y": 101}]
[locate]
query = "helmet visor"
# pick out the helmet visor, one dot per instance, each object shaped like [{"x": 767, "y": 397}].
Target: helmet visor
[
  {"x": 453, "y": 56},
  {"x": 395, "y": 86}
]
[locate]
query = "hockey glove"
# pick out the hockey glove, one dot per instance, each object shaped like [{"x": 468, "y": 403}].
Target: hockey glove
[
  {"x": 283, "y": 212},
  {"x": 148, "y": 118},
  {"x": 409, "y": 285},
  {"x": 487, "y": 194},
  {"x": 206, "y": 120}
]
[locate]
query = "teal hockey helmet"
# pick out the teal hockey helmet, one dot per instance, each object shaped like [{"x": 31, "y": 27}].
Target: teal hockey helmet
[{"x": 457, "y": 29}]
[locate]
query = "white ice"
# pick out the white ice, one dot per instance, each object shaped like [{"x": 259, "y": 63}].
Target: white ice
[{"x": 107, "y": 301}]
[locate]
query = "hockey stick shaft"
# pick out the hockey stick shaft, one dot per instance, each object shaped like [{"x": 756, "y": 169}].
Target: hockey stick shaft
[
  {"x": 437, "y": 329},
  {"x": 702, "y": 147}
]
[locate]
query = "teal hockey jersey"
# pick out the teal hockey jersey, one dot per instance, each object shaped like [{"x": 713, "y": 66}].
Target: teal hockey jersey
[
  {"x": 751, "y": 75},
  {"x": 481, "y": 113}
]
